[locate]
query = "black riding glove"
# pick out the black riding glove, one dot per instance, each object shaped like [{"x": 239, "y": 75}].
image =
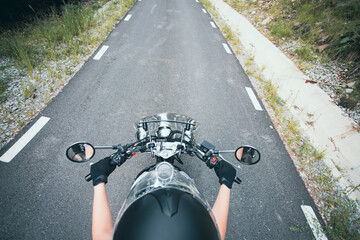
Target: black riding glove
[
  {"x": 101, "y": 170},
  {"x": 226, "y": 173}
]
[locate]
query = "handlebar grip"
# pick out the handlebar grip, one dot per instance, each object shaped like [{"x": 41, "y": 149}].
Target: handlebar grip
[{"x": 88, "y": 177}]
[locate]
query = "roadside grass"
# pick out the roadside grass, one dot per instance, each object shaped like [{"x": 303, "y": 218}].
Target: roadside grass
[
  {"x": 3, "y": 85},
  {"x": 58, "y": 36},
  {"x": 340, "y": 213},
  {"x": 38, "y": 39},
  {"x": 15, "y": 46},
  {"x": 305, "y": 53},
  {"x": 281, "y": 29},
  {"x": 39, "y": 58},
  {"x": 317, "y": 22},
  {"x": 227, "y": 32},
  {"x": 28, "y": 89}
]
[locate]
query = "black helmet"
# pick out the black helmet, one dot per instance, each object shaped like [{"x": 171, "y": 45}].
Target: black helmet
[{"x": 166, "y": 213}]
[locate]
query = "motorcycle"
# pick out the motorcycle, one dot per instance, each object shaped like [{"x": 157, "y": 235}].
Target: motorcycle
[{"x": 163, "y": 185}]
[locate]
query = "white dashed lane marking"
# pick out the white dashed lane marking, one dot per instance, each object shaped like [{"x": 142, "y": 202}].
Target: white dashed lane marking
[
  {"x": 253, "y": 99},
  {"x": 24, "y": 140},
  {"x": 204, "y": 11},
  {"x": 101, "y": 52},
  {"x": 227, "y": 49},
  {"x": 313, "y": 223},
  {"x": 127, "y": 18},
  {"x": 213, "y": 24}
]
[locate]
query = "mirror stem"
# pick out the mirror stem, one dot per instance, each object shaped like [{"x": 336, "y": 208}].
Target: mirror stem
[
  {"x": 105, "y": 147},
  {"x": 226, "y": 151},
  {"x": 236, "y": 166}
]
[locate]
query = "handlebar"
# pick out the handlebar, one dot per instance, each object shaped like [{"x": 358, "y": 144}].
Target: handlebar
[
  {"x": 205, "y": 152},
  {"x": 88, "y": 178}
]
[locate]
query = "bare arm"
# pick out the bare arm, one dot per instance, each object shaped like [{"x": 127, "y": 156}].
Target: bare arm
[
  {"x": 102, "y": 226},
  {"x": 221, "y": 209}
]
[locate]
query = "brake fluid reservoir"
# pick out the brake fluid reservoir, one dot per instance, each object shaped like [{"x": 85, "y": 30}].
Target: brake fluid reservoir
[{"x": 164, "y": 172}]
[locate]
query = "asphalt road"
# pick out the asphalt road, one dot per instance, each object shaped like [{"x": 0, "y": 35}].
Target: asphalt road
[{"x": 166, "y": 58}]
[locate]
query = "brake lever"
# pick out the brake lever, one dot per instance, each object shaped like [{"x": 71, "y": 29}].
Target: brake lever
[{"x": 222, "y": 158}]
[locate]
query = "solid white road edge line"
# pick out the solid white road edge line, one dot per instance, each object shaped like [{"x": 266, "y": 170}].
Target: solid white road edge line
[
  {"x": 128, "y": 17},
  {"x": 204, "y": 10},
  {"x": 197, "y": 1},
  {"x": 24, "y": 140},
  {"x": 313, "y": 222},
  {"x": 227, "y": 49},
  {"x": 253, "y": 99},
  {"x": 213, "y": 24},
  {"x": 101, "y": 52}
]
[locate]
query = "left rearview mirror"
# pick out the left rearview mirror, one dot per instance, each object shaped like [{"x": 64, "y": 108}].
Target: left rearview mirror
[
  {"x": 80, "y": 152},
  {"x": 247, "y": 155}
]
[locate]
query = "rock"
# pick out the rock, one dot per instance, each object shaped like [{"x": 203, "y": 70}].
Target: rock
[
  {"x": 349, "y": 90},
  {"x": 351, "y": 84},
  {"x": 266, "y": 21},
  {"x": 324, "y": 39},
  {"x": 297, "y": 25}
]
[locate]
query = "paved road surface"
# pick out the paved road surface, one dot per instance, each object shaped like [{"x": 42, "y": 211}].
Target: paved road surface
[{"x": 167, "y": 57}]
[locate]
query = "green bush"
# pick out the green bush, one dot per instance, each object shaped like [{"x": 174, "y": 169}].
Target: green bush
[
  {"x": 348, "y": 44},
  {"x": 348, "y": 101},
  {"x": 344, "y": 220},
  {"x": 338, "y": 21}
]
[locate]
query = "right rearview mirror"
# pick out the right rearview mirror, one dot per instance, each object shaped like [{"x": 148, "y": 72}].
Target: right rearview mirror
[{"x": 247, "y": 155}]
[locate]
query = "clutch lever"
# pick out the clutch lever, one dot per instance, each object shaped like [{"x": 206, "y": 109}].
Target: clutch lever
[{"x": 237, "y": 180}]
